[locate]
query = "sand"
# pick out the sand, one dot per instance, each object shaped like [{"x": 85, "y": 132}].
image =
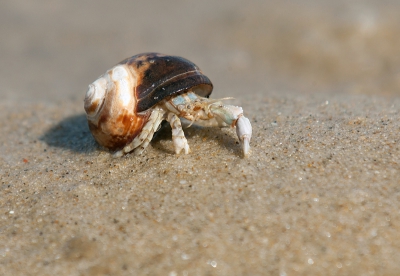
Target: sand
[{"x": 319, "y": 194}]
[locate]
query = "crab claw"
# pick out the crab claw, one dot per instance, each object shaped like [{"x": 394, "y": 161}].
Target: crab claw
[
  {"x": 244, "y": 131},
  {"x": 229, "y": 115}
]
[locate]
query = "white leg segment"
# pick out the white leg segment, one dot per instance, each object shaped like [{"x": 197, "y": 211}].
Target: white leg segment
[
  {"x": 244, "y": 132},
  {"x": 178, "y": 136}
]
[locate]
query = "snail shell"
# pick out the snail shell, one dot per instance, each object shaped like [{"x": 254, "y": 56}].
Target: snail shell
[{"x": 118, "y": 104}]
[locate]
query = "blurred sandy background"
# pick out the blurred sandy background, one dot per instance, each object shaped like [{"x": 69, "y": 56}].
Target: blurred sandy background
[
  {"x": 320, "y": 82},
  {"x": 54, "y": 48}
]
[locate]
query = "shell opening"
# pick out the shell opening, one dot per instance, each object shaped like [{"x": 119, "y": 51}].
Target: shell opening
[{"x": 203, "y": 90}]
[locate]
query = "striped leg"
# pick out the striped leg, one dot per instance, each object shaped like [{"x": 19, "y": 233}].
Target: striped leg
[
  {"x": 146, "y": 134},
  {"x": 178, "y": 137},
  {"x": 139, "y": 150}
]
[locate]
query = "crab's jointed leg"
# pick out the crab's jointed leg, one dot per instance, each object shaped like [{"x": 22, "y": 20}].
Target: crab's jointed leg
[
  {"x": 153, "y": 130},
  {"x": 244, "y": 131},
  {"x": 140, "y": 142},
  {"x": 178, "y": 136},
  {"x": 233, "y": 116}
]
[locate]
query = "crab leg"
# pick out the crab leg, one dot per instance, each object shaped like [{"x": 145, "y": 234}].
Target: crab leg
[
  {"x": 178, "y": 136},
  {"x": 233, "y": 116},
  {"x": 244, "y": 131},
  {"x": 141, "y": 141},
  {"x": 148, "y": 138}
]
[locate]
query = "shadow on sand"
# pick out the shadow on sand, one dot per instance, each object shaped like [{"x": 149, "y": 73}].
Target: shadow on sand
[{"x": 72, "y": 133}]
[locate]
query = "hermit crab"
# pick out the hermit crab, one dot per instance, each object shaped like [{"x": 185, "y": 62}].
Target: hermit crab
[{"x": 126, "y": 105}]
